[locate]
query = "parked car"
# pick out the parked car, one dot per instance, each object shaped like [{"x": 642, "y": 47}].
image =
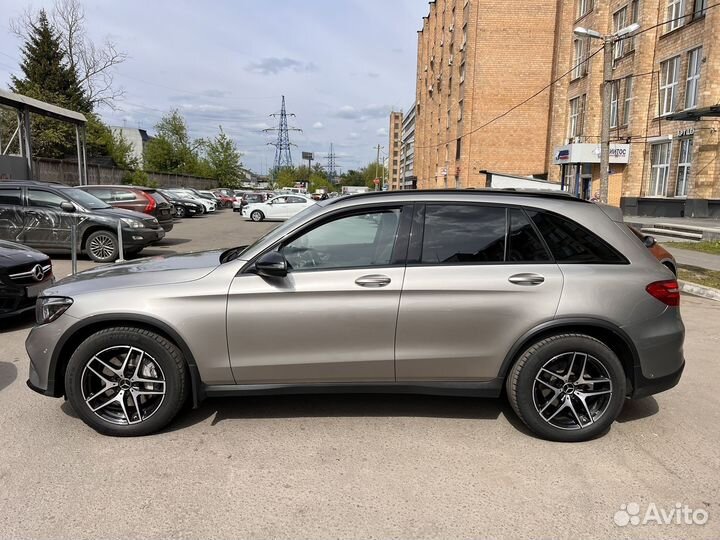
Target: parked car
[
  {"x": 249, "y": 198},
  {"x": 659, "y": 252},
  {"x": 225, "y": 201},
  {"x": 183, "y": 207},
  {"x": 209, "y": 205},
  {"x": 24, "y": 274},
  {"x": 40, "y": 214},
  {"x": 543, "y": 295},
  {"x": 277, "y": 208},
  {"x": 139, "y": 199}
]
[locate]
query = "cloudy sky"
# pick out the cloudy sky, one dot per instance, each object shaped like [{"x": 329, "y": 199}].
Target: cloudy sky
[{"x": 341, "y": 64}]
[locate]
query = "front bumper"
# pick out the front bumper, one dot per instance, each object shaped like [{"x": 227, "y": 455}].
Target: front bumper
[
  {"x": 142, "y": 237},
  {"x": 16, "y": 299},
  {"x": 43, "y": 345}
]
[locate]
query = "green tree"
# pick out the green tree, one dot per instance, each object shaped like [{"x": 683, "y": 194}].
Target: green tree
[
  {"x": 223, "y": 159},
  {"x": 172, "y": 150},
  {"x": 285, "y": 177},
  {"x": 353, "y": 178}
]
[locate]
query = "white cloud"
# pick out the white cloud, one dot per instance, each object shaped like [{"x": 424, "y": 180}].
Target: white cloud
[
  {"x": 381, "y": 131},
  {"x": 318, "y": 125},
  {"x": 353, "y": 135}
]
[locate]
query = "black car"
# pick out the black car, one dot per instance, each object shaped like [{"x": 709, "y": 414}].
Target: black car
[
  {"x": 24, "y": 274},
  {"x": 40, "y": 214},
  {"x": 183, "y": 207}
]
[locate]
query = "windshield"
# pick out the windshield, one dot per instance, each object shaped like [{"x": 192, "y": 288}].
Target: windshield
[
  {"x": 84, "y": 199},
  {"x": 275, "y": 234}
]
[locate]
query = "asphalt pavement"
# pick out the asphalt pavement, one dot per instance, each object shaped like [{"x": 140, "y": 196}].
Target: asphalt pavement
[{"x": 356, "y": 466}]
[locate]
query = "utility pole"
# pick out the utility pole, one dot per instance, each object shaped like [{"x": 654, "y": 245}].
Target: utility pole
[
  {"x": 609, "y": 41},
  {"x": 377, "y": 168}
]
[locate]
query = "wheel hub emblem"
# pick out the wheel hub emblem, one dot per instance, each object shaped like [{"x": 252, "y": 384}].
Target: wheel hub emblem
[
  {"x": 568, "y": 389},
  {"x": 125, "y": 384},
  {"x": 37, "y": 273}
]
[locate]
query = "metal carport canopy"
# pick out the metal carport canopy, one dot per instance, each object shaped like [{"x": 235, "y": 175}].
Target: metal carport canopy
[{"x": 18, "y": 101}]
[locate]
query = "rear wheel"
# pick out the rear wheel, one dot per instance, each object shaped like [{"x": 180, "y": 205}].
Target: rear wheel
[
  {"x": 102, "y": 246},
  {"x": 180, "y": 211},
  {"x": 568, "y": 387},
  {"x": 257, "y": 215},
  {"x": 126, "y": 381}
]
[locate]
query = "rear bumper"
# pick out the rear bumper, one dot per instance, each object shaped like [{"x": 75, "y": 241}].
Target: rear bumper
[
  {"x": 646, "y": 387},
  {"x": 142, "y": 237}
]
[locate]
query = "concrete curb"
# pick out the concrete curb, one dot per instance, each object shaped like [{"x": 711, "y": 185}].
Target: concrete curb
[{"x": 699, "y": 290}]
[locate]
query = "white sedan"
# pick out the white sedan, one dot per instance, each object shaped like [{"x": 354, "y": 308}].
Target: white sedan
[{"x": 280, "y": 208}]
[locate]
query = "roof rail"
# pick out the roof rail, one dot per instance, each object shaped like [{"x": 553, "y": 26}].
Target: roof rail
[{"x": 540, "y": 193}]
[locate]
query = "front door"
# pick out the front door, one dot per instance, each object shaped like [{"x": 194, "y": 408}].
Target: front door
[
  {"x": 479, "y": 279},
  {"x": 332, "y": 319},
  {"x": 46, "y": 224},
  {"x": 12, "y": 219}
]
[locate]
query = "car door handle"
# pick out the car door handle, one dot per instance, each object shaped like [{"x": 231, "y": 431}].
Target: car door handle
[
  {"x": 526, "y": 279},
  {"x": 373, "y": 280}
]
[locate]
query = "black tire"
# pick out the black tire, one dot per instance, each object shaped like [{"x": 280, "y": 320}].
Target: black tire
[
  {"x": 102, "y": 246},
  {"x": 528, "y": 396},
  {"x": 180, "y": 212},
  {"x": 257, "y": 215},
  {"x": 161, "y": 352}
]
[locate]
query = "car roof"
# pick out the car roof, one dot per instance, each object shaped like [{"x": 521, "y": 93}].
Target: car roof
[
  {"x": 36, "y": 183},
  {"x": 412, "y": 194},
  {"x": 124, "y": 186}
]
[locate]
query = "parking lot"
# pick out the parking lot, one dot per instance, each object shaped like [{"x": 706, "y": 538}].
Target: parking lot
[{"x": 354, "y": 465}]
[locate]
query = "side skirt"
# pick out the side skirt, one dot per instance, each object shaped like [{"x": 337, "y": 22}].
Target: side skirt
[{"x": 484, "y": 389}]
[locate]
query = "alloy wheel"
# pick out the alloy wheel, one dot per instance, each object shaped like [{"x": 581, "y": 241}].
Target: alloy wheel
[
  {"x": 102, "y": 246},
  {"x": 572, "y": 390},
  {"x": 123, "y": 385}
]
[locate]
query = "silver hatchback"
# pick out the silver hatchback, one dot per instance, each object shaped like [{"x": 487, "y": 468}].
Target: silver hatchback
[{"x": 547, "y": 297}]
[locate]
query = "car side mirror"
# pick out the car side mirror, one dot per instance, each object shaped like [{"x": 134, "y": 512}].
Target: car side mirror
[
  {"x": 649, "y": 241},
  {"x": 271, "y": 264},
  {"x": 66, "y": 206}
]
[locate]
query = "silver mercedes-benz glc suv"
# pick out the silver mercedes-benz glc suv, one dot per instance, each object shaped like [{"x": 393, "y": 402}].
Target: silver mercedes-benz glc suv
[{"x": 547, "y": 297}]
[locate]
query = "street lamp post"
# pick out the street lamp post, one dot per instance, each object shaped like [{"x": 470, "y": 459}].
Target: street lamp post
[{"x": 608, "y": 43}]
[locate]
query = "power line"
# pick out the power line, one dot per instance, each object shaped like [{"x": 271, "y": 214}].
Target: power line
[{"x": 668, "y": 21}]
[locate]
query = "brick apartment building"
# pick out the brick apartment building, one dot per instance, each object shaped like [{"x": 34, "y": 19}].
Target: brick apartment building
[
  {"x": 663, "y": 78},
  {"x": 394, "y": 150},
  {"x": 477, "y": 59}
]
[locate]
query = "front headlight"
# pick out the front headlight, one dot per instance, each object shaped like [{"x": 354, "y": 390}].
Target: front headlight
[
  {"x": 132, "y": 223},
  {"x": 49, "y": 308}
]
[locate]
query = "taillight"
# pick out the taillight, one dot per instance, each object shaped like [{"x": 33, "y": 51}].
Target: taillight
[
  {"x": 668, "y": 292},
  {"x": 151, "y": 205}
]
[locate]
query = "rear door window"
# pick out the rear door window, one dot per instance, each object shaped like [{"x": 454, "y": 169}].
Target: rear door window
[
  {"x": 45, "y": 199},
  {"x": 524, "y": 244},
  {"x": 570, "y": 242},
  {"x": 11, "y": 196},
  {"x": 463, "y": 234}
]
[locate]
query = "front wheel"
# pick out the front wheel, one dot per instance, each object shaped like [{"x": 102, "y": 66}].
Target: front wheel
[
  {"x": 126, "y": 381},
  {"x": 567, "y": 388},
  {"x": 257, "y": 215},
  {"x": 102, "y": 246},
  {"x": 180, "y": 212}
]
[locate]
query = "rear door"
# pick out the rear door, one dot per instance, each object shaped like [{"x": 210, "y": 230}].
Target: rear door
[
  {"x": 46, "y": 224},
  {"x": 478, "y": 278},
  {"x": 12, "y": 214}
]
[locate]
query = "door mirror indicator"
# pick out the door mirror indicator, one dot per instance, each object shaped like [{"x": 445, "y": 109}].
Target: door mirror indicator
[
  {"x": 67, "y": 207},
  {"x": 271, "y": 264}
]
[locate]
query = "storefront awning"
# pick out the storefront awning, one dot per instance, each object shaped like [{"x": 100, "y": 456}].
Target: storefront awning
[{"x": 694, "y": 114}]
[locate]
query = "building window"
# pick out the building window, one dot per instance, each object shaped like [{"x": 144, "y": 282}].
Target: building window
[
  {"x": 614, "y": 103},
  {"x": 580, "y": 64},
  {"x": 627, "y": 106},
  {"x": 447, "y": 122},
  {"x": 668, "y": 85},
  {"x": 675, "y": 14},
  {"x": 460, "y": 110},
  {"x": 684, "y": 160},
  {"x": 700, "y": 7},
  {"x": 692, "y": 86},
  {"x": 462, "y": 72},
  {"x": 458, "y": 149},
  {"x": 634, "y": 17},
  {"x": 660, "y": 167},
  {"x": 584, "y": 7},
  {"x": 577, "y": 116},
  {"x": 620, "y": 22}
]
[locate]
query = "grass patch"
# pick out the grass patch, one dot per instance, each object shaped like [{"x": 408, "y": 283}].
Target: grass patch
[
  {"x": 705, "y": 246},
  {"x": 701, "y": 276}
]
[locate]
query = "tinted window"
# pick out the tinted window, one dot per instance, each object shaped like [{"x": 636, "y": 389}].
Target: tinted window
[
  {"x": 158, "y": 198},
  {"x": 463, "y": 234},
  {"x": 524, "y": 245},
  {"x": 84, "y": 199},
  {"x": 570, "y": 242},
  {"x": 10, "y": 196},
  {"x": 104, "y": 194},
  {"x": 123, "y": 195},
  {"x": 354, "y": 241},
  {"x": 296, "y": 200},
  {"x": 45, "y": 199}
]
